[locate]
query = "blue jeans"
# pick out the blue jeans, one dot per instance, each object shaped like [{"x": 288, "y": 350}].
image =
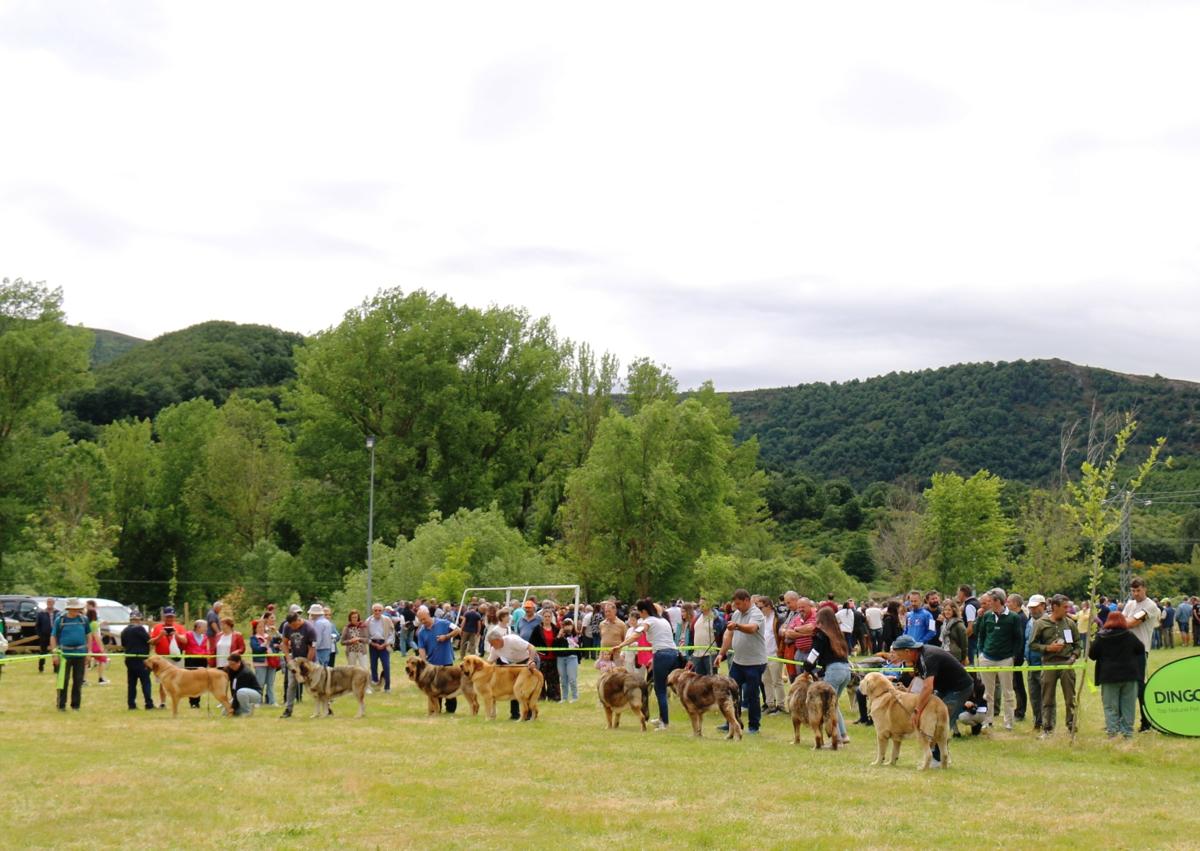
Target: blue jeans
[
  {"x": 837, "y": 675},
  {"x": 382, "y": 657},
  {"x": 664, "y": 664},
  {"x": 568, "y": 676},
  {"x": 323, "y": 657},
  {"x": 402, "y": 642},
  {"x": 1119, "y": 700},
  {"x": 266, "y": 681},
  {"x": 702, "y": 665},
  {"x": 955, "y": 700},
  {"x": 748, "y": 678}
]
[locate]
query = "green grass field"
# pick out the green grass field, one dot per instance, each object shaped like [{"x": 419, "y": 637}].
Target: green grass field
[{"x": 107, "y": 777}]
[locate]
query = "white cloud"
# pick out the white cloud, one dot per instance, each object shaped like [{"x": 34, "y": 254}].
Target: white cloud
[{"x": 761, "y": 195}]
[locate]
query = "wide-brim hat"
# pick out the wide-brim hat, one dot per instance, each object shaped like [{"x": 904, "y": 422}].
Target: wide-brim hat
[
  {"x": 316, "y": 609},
  {"x": 74, "y": 603}
]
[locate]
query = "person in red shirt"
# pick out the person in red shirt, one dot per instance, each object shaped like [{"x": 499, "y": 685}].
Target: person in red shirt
[
  {"x": 544, "y": 636},
  {"x": 797, "y": 631}
]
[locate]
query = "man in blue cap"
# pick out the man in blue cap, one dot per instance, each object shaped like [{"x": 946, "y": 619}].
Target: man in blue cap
[{"x": 943, "y": 675}]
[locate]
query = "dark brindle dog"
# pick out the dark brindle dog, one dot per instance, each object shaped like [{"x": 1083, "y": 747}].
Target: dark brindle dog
[
  {"x": 815, "y": 703},
  {"x": 700, "y": 694},
  {"x": 327, "y": 683},
  {"x": 620, "y": 690},
  {"x": 439, "y": 682}
]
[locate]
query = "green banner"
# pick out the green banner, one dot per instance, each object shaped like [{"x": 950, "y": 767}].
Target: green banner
[{"x": 1172, "y": 701}]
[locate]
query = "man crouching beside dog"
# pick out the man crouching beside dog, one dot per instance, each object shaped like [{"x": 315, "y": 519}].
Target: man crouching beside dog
[{"x": 943, "y": 676}]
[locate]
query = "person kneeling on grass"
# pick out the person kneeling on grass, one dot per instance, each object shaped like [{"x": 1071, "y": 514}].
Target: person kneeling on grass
[{"x": 244, "y": 685}]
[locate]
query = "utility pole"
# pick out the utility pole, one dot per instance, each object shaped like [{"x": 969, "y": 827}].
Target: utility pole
[
  {"x": 370, "y": 521},
  {"x": 1126, "y": 545}
]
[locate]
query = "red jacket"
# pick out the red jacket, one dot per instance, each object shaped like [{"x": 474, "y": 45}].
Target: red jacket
[
  {"x": 238, "y": 645},
  {"x": 204, "y": 647}
]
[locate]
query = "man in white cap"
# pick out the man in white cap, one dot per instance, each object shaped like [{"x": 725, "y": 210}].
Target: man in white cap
[
  {"x": 324, "y": 629},
  {"x": 70, "y": 638},
  {"x": 1037, "y": 608}
]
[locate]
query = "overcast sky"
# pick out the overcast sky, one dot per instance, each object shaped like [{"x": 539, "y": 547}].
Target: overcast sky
[{"x": 755, "y": 193}]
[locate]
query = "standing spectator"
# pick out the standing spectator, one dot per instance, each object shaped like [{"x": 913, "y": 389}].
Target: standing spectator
[
  {"x": 197, "y": 652},
  {"x": 243, "y": 685},
  {"x": 434, "y": 644},
  {"x": 381, "y": 634},
  {"x": 874, "y": 618},
  {"x": 335, "y": 636},
  {"x": 228, "y": 641},
  {"x": 773, "y": 673},
  {"x": 1120, "y": 660},
  {"x": 1142, "y": 616},
  {"x": 324, "y": 630},
  {"x": 212, "y": 620},
  {"x": 998, "y": 632},
  {"x": 43, "y": 625},
  {"x": 586, "y": 635},
  {"x": 70, "y": 639},
  {"x": 168, "y": 641},
  {"x": 704, "y": 636},
  {"x": 954, "y": 631},
  {"x": 544, "y": 637},
  {"x": 1056, "y": 637},
  {"x": 933, "y": 604},
  {"x": 745, "y": 635},
  {"x": 658, "y": 632},
  {"x": 1037, "y": 608},
  {"x": 970, "y": 612},
  {"x": 1195, "y": 601},
  {"x": 798, "y": 629},
  {"x": 1084, "y": 620},
  {"x": 264, "y": 643},
  {"x": 96, "y": 642},
  {"x": 472, "y": 626},
  {"x": 919, "y": 624},
  {"x": 830, "y": 653},
  {"x": 1168, "y": 624},
  {"x": 893, "y": 624},
  {"x": 135, "y": 642},
  {"x": 845, "y": 622},
  {"x": 612, "y": 629},
  {"x": 1183, "y": 614},
  {"x": 404, "y": 620},
  {"x": 354, "y": 639},
  {"x": 674, "y": 614},
  {"x": 299, "y": 642},
  {"x": 566, "y": 657},
  {"x": 1015, "y": 603}
]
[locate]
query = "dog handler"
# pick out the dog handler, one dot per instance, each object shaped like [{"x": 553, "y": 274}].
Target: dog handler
[
  {"x": 433, "y": 644},
  {"x": 744, "y": 635},
  {"x": 666, "y": 654},
  {"x": 510, "y": 649}
]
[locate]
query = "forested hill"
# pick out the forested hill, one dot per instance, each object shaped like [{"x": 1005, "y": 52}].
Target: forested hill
[
  {"x": 209, "y": 360},
  {"x": 107, "y": 346},
  {"x": 1004, "y": 417}
]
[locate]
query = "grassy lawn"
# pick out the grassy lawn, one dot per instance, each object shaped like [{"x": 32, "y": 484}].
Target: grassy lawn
[{"x": 105, "y": 777}]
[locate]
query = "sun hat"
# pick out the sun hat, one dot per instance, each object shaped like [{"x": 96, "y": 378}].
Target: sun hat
[
  {"x": 74, "y": 603},
  {"x": 1037, "y": 600},
  {"x": 906, "y": 642},
  {"x": 316, "y": 609}
]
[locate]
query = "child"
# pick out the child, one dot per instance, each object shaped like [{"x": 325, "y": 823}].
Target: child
[{"x": 604, "y": 662}]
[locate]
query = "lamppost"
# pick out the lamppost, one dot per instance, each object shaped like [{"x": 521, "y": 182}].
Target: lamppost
[{"x": 370, "y": 520}]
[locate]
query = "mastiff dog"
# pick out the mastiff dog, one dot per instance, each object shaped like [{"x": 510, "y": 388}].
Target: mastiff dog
[
  {"x": 439, "y": 682},
  {"x": 892, "y": 711},
  {"x": 327, "y": 683},
  {"x": 700, "y": 694},
  {"x": 190, "y": 682},
  {"x": 620, "y": 690},
  {"x": 814, "y": 703},
  {"x": 505, "y": 682}
]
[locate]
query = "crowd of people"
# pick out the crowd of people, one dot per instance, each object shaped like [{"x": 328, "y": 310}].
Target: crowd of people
[{"x": 764, "y": 641}]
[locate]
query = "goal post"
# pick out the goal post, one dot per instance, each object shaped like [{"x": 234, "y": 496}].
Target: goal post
[{"x": 524, "y": 590}]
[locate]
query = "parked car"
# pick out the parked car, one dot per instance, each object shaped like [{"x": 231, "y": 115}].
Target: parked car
[
  {"x": 20, "y": 612},
  {"x": 114, "y": 617}
]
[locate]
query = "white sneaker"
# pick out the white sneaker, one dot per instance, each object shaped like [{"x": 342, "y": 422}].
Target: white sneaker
[
  {"x": 1008, "y": 726},
  {"x": 937, "y": 763}
]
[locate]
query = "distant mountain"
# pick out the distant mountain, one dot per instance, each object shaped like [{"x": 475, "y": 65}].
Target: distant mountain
[
  {"x": 209, "y": 360},
  {"x": 110, "y": 345},
  {"x": 1005, "y": 417}
]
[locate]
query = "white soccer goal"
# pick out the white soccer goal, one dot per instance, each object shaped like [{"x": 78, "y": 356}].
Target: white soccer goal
[{"x": 524, "y": 592}]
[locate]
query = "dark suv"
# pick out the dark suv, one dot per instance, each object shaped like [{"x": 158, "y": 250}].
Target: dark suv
[{"x": 22, "y": 610}]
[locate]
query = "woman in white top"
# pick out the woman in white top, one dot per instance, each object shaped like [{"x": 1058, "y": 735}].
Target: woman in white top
[
  {"x": 666, "y": 656},
  {"x": 773, "y": 682},
  {"x": 704, "y": 637}
]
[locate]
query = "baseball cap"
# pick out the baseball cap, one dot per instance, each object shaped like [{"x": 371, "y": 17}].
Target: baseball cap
[
  {"x": 168, "y": 610},
  {"x": 294, "y": 609},
  {"x": 1037, "y": 600},
  {"x": 906, "y": 642}
]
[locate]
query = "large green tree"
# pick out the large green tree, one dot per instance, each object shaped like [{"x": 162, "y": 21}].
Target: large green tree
[
  {"x": 967, "y": 527},
  {"x": 655, "y": 491}
]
